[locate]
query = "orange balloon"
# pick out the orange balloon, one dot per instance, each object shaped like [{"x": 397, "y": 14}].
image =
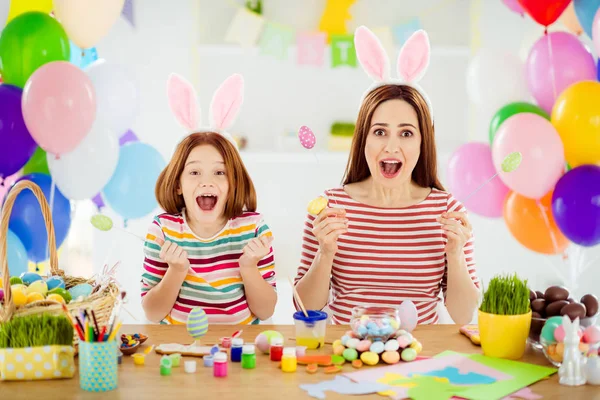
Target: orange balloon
[
  {"x": 570, "y": 21},
  {"x": 532, "y": 224}
]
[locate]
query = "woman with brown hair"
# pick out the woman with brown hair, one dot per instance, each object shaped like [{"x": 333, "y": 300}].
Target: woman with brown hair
[
  {"x": 210, "y": 248},
  {"x": 390, "y": 233}
]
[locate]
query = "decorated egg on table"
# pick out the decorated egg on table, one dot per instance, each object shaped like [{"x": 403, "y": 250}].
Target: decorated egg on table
[
  {"x": 55, "y": 282},
  {"x": 197, "y": 323},
  {"x": 81, "y": 291},
  {"x": 38, "y": 287},
  {"x": 29, "y": 277},
  {"x": 263, "y": 340},
  {"x": 408, "y": 315}
]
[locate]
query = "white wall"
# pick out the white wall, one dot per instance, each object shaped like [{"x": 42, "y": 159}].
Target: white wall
[{"x": 167, "y": 39}]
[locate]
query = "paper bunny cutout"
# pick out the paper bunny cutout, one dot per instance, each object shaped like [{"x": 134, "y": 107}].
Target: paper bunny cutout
[
  {"x": 224, "y": 107},
  {"x": 412, "y": 63},
  {"x": 571, "y": 371}
]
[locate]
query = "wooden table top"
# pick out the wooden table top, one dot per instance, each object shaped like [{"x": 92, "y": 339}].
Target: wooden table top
[{"x": 264, "y": 382}]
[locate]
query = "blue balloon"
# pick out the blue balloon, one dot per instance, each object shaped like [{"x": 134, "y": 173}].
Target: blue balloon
[
  {"x": 27, "y": 222},
  {"x": 130, "y": 191},
  {"x": 82, "y": 57},
  {"x": 585, "y": 10},
  {"x": 17, "y": 255}
]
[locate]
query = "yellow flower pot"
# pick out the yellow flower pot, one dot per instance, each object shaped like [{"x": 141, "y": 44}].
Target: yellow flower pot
[{"x": 504, "y": 336}]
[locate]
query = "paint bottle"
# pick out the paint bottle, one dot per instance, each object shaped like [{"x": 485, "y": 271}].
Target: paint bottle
[
  {"x": 289, "y": 362},
  {"x": 236, "y": 349},
  {"x": 208, "y": 361},
  {"x": 220, "y": 365},
  {"x": 276, "y": 349},
  {"x": 248, "y": 357}
]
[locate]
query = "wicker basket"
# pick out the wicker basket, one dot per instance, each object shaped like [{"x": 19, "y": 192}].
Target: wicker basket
[{"x": 102, "y": 302}]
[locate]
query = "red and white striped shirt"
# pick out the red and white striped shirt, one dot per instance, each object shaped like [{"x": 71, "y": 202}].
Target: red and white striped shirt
[{"x": 388, "y": 255}]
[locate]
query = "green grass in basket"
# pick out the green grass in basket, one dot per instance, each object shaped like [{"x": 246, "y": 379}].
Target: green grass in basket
[
  {"x": 36, "y": 330},
  {"x": 506, "y": 295}
]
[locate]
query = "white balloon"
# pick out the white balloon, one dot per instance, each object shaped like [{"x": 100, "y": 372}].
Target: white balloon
[
  {"x": 496, "y": 78},
  {"x": 83, "y": 172},
  {"x": 117, "y": 95}
]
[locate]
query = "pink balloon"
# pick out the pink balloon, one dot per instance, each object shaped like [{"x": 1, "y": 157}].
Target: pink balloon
[
  {"x": 469, "y": 167},
  {"x": 555, "y": 62},
  {"x": 514, "y": 6},
  {"x": 59, "y": 106},
  {"x": 596, "y": 31},
  {"x": 307, "y": 137},
  {"x": 543, "y": 154}
]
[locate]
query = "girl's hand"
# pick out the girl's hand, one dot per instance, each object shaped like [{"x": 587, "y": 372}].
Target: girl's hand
[
  {"x": 458, "y": 230},
  {"x": 254, "y": 251},
  {"x": 327, "y": 228},
  {"x": 175, "y": 256}
]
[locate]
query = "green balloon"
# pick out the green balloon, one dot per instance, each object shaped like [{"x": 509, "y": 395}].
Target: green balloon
[
  {"x": 37, "y": 163},
  {"x": 508, "y": 111},
  {"x": 29, "y": 41}
]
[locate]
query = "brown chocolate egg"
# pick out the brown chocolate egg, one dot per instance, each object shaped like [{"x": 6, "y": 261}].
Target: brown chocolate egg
[
  {"x": 539, "y": 306},
  {"x": 575, "y": 310},
  {"x": 532, "y": 295},
  {"x": 539, "y": 294},
  {"x": 554, "y": 308},
  {"x": 555, "y": 293},
  {"x": 591, "y": 304},
  {"x": 536, "y": 315}
]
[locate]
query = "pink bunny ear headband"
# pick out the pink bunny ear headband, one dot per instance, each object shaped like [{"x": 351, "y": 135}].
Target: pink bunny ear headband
[
  {"x": 412, "y": 64},
  {"x": 224, "y": 107}
]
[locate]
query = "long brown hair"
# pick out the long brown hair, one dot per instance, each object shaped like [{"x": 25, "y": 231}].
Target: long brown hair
[
  {"x": 241, "y": 196},
  {"x": 425, "y": 172}
]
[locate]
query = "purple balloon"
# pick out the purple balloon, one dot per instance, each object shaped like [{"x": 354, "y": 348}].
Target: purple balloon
[
  {"x": 555, "y": 62},
  {"x": 515, "y": 6},
  {"x": 576, "y": 205},
  {"x": 98, "y": 201},
  {"x": 16, "y": 144},
  {"x": 127, "y": 137}
]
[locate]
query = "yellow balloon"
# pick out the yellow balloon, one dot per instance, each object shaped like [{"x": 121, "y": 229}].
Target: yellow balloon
[
  {"x": 576, "y": 117},
  {"x": 18, "y": 7}
]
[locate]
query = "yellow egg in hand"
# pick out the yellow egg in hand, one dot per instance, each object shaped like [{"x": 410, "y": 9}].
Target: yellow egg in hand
[{"x": 317, "y": 205}]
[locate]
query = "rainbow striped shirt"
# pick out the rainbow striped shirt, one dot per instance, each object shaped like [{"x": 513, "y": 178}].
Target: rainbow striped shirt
[{"x": 213, "y": 281}]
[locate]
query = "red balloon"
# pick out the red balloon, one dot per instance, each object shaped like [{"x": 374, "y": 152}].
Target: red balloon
[{"x": 544, "y": 12}]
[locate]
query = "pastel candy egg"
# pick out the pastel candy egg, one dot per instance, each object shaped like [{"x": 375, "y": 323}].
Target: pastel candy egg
[
  {"x": 400, "y": 332},
  {"x": 350, "y": 354},
  {"x": 417, "y": 346},
  {"x": 55, "y": 281},
  {"x": 197, "y": 323},
  {"x": 394, "y": 324},
  {"x": 349, "y": 333},
  {"x": 372, "y": 325},
  {"x": 337, "y": 343},
  {"x": 364, "y": 345},
  {"x": 390, "y": 357},
  {"x": 338, "y": 350},
  {"x": 387, "y": 330},
  {"x": 404, "y": 341},
  {"x": 362, "y": 331},
  {"x": 369, "y": 358},
  {"x": 364, "y": 319},
  {"x": 81, "y": 291},
  {"x": 591, "y": 334},
  {"x": 377, "y": 347},
  {"x": 38, "y": 287},
  {"x": 548, "y": 331},
  {"x": 345, "y": 339},
  {"x": 29, "y": 277},
  {"x": 352, "y": 343},
  {"x": 559, "y": 333},
  {"x": 409, "y": 354},
  {"x": 392, "y": 345}
]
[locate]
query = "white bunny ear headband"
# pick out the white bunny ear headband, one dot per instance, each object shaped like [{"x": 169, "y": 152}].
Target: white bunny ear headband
[
  {"x": 224, "y": 107},
  {"x": 412, "y": 64}
]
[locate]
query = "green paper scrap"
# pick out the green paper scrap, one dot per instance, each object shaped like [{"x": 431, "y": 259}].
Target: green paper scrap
[
  {"x": 524, "y": 375},
  {"x": 431, "y": 388},
  {"x": 102, "y": 222},
  {"x": 343, "y": 51},
  {"x": 512, "y": 161}
]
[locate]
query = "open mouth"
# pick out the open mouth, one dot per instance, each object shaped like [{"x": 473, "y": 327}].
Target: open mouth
[
  {"x": 390, "y": 168},
  {"x": 207, "y": 202}
]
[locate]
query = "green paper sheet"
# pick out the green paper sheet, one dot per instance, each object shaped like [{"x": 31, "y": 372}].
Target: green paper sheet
[
  {"x": 429, "y": 388},
  {"x": 524, "y": 375}
]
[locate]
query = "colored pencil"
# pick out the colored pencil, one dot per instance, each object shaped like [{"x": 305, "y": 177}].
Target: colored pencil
[{"x": 114, "y": 332}]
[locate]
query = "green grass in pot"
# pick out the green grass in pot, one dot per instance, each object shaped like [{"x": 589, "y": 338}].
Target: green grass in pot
[
  {"x": 36, "y": 330},
  {"x": 506, "y": 295}
]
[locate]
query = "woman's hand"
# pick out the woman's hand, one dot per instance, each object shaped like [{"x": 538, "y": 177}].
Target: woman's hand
[
  {"x": 458, "y": 230},
  {"x": 254, "y": 251},
  {"x": 327, "y": 228},
  {"x": 175, "y": 256}
]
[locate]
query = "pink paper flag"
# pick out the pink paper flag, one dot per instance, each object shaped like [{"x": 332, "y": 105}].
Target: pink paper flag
[{"x": 311, "y": 48}]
